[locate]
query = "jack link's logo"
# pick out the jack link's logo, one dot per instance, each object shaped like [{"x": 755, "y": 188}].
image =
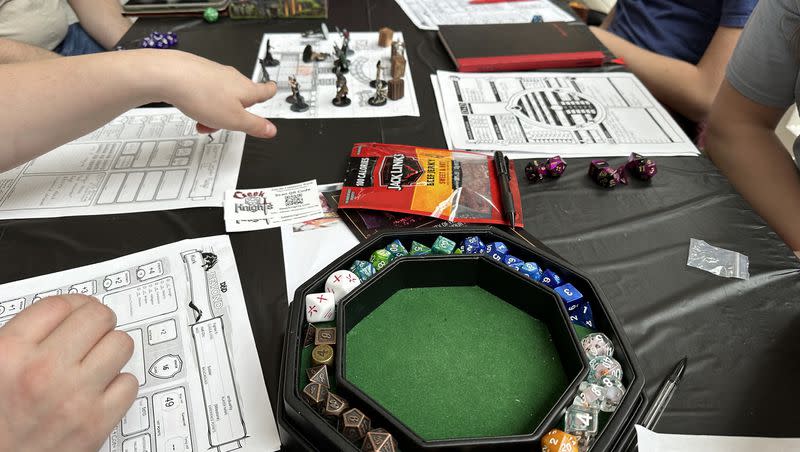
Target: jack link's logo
[{"x": 253, "y": 202}]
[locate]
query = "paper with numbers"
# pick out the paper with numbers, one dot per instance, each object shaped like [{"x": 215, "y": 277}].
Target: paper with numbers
[
  {"x": 200, "y": 381},
  {"x": 146, "y": 159},
  {"x": 262, "y": 208},
  {"x": 547, "y": 113},
  {"x": 659, "y": 442},
  {"x": 428, "y": 15}
]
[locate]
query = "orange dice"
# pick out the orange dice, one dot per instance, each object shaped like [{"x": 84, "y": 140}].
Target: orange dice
[{"x": 558, "y": 441}]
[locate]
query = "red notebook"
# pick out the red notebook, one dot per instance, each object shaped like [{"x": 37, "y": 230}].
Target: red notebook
[{"x": 521, "y": 47}]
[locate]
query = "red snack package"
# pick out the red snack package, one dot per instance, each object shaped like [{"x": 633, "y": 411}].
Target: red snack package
[{"x": 455, "y": 186}]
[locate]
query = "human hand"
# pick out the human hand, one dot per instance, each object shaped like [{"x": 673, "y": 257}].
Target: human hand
[
  {"x": 214, "y": 95},
  {"x": 60, "y": 382}
]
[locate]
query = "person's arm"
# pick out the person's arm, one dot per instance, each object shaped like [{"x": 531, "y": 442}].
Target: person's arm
[
  {"x": 52, "y": 102},
  {"x": 609, "y": 18},
  {"x": 742, "y": 143},
  {"x": 102, "y": 19},
  {"x": 12, "y": 51},
  {"x": 686, "y": 88}
]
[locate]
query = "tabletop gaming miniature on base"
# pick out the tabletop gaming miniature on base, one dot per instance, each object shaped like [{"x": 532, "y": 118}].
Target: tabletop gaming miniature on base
[
  {"x": 378, "y": 76},
  {"x": 268, "y": 58},
  {"x": 341, "y": 63},
  {"x": 341, "y": 99},
  {"x": 299, "y": 104},
  {"x": 310, "y": 55},
  {"x": 379, "y": 99}
]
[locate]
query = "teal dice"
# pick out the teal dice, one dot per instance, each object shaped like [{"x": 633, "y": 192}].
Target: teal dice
[
  {"x": 397, "y": 249},
  {"x": 363, "y": 269},
  {"x": 380, "y": 259},
  {"x": 443, "y": 245},
  {"x": 418, "y": 249}
]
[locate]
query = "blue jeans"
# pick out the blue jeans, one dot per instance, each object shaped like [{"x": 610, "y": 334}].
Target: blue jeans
[{"x": 78, "y": 42}]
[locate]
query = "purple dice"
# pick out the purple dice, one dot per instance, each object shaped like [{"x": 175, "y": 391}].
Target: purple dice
[
  {"x": 535, "y": 171},
  {"x": 603, "y": 174},
  {"x": 641, "y": 167},
  {"x": 555, "y": 166}
]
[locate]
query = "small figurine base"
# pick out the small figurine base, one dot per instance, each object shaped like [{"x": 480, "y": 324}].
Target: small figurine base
[
  {"x": 343, "y": 102},
  {"x": 290, "y": 99},
  {"x": 299, "y": 106},
  {"x": 338, "y": 69},
  {"x": 272, "y": 62},
  {"x": 374, "y": 83},
  {"x": 377, "y": 101}
]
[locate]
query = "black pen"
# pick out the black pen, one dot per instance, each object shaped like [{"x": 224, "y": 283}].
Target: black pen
[{"x": 504, "y": 178}]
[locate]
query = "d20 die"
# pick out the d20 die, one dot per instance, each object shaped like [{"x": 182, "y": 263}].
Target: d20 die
[
  {"x": 341, "y": 282},
  {"x": 603, "y": 366},
  {"x": 418, "y": 249},
  {"x": 380, "y": 259},
  {"x": 597, "y": 344},
  {"x": 558, "y": 441},
  {"x": 497, "y": 251},
  {"x": 551, "y": 279},
  {"x": 531, "y": 270},
  {"x": 363, "y": 269},
  {"x": 513, "y": 262},
  {"x": 355, "y": 424},
  {"x": 320, "y": 307},
  {"x": 443, "y": 245},
  {"x": 397, "y": 249}
]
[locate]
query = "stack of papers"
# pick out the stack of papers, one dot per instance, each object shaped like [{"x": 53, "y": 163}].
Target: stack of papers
[
  {"x": 542, "y": 114},
  {"x": 428, "y": 15}
]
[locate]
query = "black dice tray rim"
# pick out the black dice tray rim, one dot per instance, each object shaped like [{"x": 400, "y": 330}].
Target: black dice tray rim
[{"x": 299, "y": 424}]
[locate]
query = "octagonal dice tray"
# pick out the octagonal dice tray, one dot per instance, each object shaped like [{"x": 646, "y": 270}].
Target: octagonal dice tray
[{"x": 303, "y": 427}]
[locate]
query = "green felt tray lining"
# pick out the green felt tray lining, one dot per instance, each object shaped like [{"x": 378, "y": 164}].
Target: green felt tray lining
[{"x": 456, "y": 362}]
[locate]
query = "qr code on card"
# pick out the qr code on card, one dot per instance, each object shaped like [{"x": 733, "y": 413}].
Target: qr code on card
[{"x": 292, "y": 200}]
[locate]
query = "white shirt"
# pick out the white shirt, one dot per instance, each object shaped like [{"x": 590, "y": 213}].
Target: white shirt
[{"x": 42, "y": 23}]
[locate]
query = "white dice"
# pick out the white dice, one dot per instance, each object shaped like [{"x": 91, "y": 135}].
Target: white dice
[
  {"x": 341, "y": 283},
  {"x": 320, "y": 307}
]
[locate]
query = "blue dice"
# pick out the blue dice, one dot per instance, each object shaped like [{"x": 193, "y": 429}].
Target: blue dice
[
  {"x": 551, "y": 279},
  {"x": 537, "y": 19},
  {"x": 531, "y": 270},
  {"x": 497, "y": 251},
  {"x": 580, "y": 311},
  {"x": 568, "y": 293},
  {"x": 513, "y": 262},
  {"x": 472, "y": 245}
]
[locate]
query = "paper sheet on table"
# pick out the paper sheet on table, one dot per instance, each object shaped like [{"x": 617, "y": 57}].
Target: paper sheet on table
[
  {"x": 310, "y": 246},
  {"x": 264, "y": 208},
  {"x": 200, "y": 381},
  {"x": 546, "y": 113},
  {"x": 146, "y": 159},
  {"x": 428, "y": 15},
  {"x": 659, "y": 442},
  {"x": 318, "y": 82}
]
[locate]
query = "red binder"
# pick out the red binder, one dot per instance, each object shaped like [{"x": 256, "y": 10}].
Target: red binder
[{"x": 521, "y": 47}]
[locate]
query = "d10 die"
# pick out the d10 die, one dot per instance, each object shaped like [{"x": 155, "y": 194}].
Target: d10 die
[
  {"x": 558, "y": 441},
  {"x": 513, "y": 262},
  {"x": 396, "y": 249},
  {"x": 320, "y": 307},
  {"x": 551, "y": 279},
  {"x": 418, "y": 249},
  {"x": 341, "y": 282},
  {"x": 443, "y": 245},
  {"x": 597, "y": 344},
  {"x": 380, "y": 259},
  {"x": 497, "y": 251},
  {"x": 604, "y": 366},
  {"x": 580, "y": 420},
  {"x": 531, "y": 270},
  {"x": 363, "y": 269}
]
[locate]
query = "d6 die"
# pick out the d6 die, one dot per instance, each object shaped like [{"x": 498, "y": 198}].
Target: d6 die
[
  {"x": 341, "y": 282},
  {"x": 363, "y": 269},
  {"x": 580, "y": 420},
  {"x": 531, "y": 270},
  {"x": 443, "y": 245},
  {"x": 497, "y": 251},
  {"x": 380, "y": 259},
  {"x": 320, "y": 307},
  {"x": 558, "y": 441},
  {"x": 396, "y": 249}
]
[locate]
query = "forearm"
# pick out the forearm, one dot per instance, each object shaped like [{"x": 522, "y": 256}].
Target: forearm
[
  {"x": 51, "y": 102},
  {"x": 18, "y": 52},
  {"x": 676, "y": 83},
  {"x": 756, "y": 163},
  {"x": 102, "y": 19}
]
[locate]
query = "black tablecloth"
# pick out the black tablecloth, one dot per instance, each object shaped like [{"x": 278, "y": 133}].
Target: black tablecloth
[{"x": 741, "y": 336}]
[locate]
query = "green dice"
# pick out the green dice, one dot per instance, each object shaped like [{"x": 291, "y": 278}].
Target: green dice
[
  {"x": 397, "y": 249},
  {"x": 443, "y": 245},
  {"x": 418, "y": 249},
  {"x": 380, "y": 259},
  {"x": 363, "y": 269}
]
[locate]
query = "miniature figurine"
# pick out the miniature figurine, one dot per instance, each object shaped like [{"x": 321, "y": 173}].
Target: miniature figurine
[
  {"x": 346, "y": 43},
  {"x": 379, "y": 99},
  {"x": 310, "y": 55},
  {"x": 268, "y": 58},
  {"x": 341, "y": 99},
  {"x": 378, "y": 76},
  {"x": 296, "y": 99},
  {"x": 341, "y": 64},
  {"x": 264, "y": 74}
]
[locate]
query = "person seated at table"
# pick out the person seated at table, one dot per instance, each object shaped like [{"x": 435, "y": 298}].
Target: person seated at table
[
  {"x": 678, "y": 48},
  {"x": 60, "y": 383},
  {"x": 39, "y": 29},
  {"x": 760, "y": 85}
]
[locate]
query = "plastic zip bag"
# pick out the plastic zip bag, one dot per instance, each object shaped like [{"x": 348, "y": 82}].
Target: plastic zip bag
[{"x": 719, "y": 261}]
